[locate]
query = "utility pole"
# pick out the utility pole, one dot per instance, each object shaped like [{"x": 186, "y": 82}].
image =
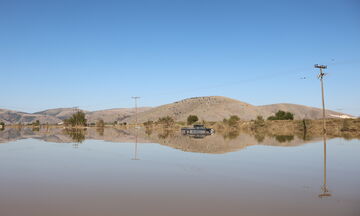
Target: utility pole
[
  {"x": 136, "y": 110},
  {"x": 321, "y": 77},
  {"x": 325, "y": 191},
  {"x": 75, "y": 109}
]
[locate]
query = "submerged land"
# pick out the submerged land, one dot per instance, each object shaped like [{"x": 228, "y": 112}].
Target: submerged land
[{"x": 226, "y": 138}]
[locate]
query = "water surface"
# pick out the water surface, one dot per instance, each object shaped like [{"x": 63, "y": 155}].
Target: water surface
[{"x": 115, "y": 172}]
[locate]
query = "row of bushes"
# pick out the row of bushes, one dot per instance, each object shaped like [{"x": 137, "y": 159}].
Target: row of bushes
[
  {"x": 165, "y": 121},
  {"x": 169, "y": 121},
  {"x": 78, "y": 119},
  {"x": 232, "y": 121}
]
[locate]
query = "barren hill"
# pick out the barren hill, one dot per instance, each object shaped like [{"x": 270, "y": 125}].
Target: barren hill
[
  {"x": 108, "y": 115},
  {"x": 216, "y": 108},
  {"x": 299, "y": 111},
  {"x": 54, "y": 116},
  {"x": 61, "y": 113},
  {"x": 111, "y": 115},
  {"x": 206, "y": 108}
]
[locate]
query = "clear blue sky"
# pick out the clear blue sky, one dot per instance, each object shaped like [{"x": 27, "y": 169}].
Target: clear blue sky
[{"x": 97, "y": 54}]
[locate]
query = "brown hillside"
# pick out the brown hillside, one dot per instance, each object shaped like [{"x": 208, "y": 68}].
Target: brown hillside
[{"x": 216, "y": 108}]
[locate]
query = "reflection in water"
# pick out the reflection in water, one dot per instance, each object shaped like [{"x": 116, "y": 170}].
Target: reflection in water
[
  {"x": 136, "y": 146},
  {"x": 148, "y": 131},
  {"x": 36, "y": 129},
  {"x": 77, "y": 135},
  {"x": 233, "y": 134},
  {"x": 198, "y": 136},
  {"x": 100, "y": 180},
  {"x": 259, "y": 137},
  {"x": 284, "y": 138},
  {"x": 100, "y": 131},
  {"x": 165, "y": 134},
  {"x": 325, "y": 191},
  {"x": 218, "y": 143}
]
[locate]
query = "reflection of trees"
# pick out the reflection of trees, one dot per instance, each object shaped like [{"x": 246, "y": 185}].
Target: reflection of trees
[
  {"x": 36, "y": 129},
  {"x": 231, "y": 134},
  {"x": 2, "y": 126},
  {"x": 259, "y": 137},
  {"x": 148, "y": 131},
  {"x": 100, "y": 131},
  {"x": 284, "y": 138},
  {"x": 165, "y": 134},
  {"x": 77, "y": 135}
]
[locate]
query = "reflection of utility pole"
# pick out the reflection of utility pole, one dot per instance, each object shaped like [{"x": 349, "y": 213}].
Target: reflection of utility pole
[
  {"x": 136, "y": 143},
  {"x": 136, "y": 111},
  {"x": 321, "y": 76},
  {"x": 324, "y": 190}
]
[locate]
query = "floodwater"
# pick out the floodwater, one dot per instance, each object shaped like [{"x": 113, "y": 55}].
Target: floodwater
[{"x": 115, "y": 172}]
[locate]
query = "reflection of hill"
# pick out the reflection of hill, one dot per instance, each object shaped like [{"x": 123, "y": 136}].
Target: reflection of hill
[
  {"x": 217, "y": 144},
  {"x": 59, "y": 135},
  {"x": 214, "y": 144},
  {"x": 51, "y": 135}
]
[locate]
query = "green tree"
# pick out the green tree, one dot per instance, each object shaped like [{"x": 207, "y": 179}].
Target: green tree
[
  {"x": 259, "y": 122},
  {"x": 77, "y": 119},
  {"x": 192, "y": 119},
  {"x": 233, "y": 120},
  {"x": 2, "y": 125},
  {"x": 148, "y": 123},
  {"x": 36, "y": 123},
  {"x": 282, "y": 115},
  {"x": 166, "y": 121},
  {"x": 100, "y": 123},
  {"x": 345, "y": 125}
]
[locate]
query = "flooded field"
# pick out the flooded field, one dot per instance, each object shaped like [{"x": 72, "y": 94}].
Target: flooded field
[{"x": 140, "y": 172}]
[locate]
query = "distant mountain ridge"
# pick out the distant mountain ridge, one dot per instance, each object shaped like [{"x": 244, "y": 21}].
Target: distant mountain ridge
[
  {"x": 216, "y": 108},
  {"x": 213, "y": 108}
]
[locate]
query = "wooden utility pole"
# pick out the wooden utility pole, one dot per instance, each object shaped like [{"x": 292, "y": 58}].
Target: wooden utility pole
[
  {"x": 325, "y": 191},
  {"x": 136, "y": 111},
  {"x": 321, "y": 77},
  {"x": 75, "y": 109}
]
